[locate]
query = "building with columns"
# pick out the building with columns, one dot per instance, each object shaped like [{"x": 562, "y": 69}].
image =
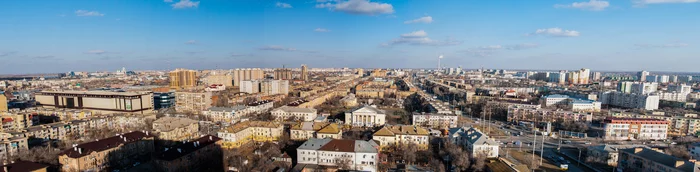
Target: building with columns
[{"x": 366, "y": 116}]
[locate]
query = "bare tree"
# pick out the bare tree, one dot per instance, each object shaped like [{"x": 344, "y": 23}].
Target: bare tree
[
  {"x": 408, "y": 152},
  {"x": 531, "y": 163},
  {"x": 479, "y": 162},
  {"x": 343, "y": 163},
  {"x": 461, "y": 161},
  {"x": 436, "y": 165},
  {"x": 678, "y": 151}
]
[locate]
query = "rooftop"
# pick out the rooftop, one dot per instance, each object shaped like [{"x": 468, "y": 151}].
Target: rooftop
[
  {"x": 187, "y": 148},
  {"x": 557, "y": 96},
  {"x": 235, "y": 128},
  {"x": 100, "y": 93},
  {"x": 104, "y": 144},
  {"x": 401, "y": 130},
  {"x": 227, "y": 109},
  {"x": 661, "y": 158},
  {"x": 20, "y": 166},
  {"x": 295, "y": 109},
  {"x": 165, "y": 124}
]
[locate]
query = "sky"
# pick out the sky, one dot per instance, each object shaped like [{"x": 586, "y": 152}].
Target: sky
[{"x": 106, "y": 35}]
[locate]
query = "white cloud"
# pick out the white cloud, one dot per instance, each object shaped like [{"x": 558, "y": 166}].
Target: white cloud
[
  {"x": 321, "y": 30},
  {"x": 363, "y": 7},
  {"x": 98, "y": 52},
  {"x": 185, "y": 4},
  {"x": 593, "y": 5},
  {"x": 44, "y": 57},
  {"x": 491, "y": 47},
  {"x": 283, "y": 5},
  {"x": 191, "y": 42},
  {"x": 83, "y": 13},
  {"x": 522, "y": 46},
  {"x": 671, "y": 45},
  {"x": 277, "y": 48},
  {"x": 426, "y": 19},
  {"x": 168, "y": 1},
  {"x": 419, "y": 38},
  {"x": 644, "y": 2},
  {"x": 486, "y": 51},
  {"x": 556, "y": 32}
]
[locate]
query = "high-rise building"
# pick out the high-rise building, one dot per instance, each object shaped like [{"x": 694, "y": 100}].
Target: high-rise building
[
  {"x": 680, "y": 88},
  {"x": 360, "y": 72},
  {"x": 644, "y": 87},
  {"x": 624, "y": 86},
  {"x": 651, "y": 78},
  {"x": 642, "y": 75},
  {"x": 304, "y": 72},
  {"x": 663, "y": 78},
  {"x": 220, "y": 78},
  {"x": 183, "y": 78},
  {"x": 597, "y": 76},
  {"x": 673, "y": 78},
  {"x": 559, "y": 78},
  {"x": 3, "y": 103},
  {"x": 246, "y": 74},
  {"x": 584, "y": 76},
  {"x": 685, "y": 79},
  {"x": 266, "y": 87},
  {"x": 283, "y": 74},
  {"x": 572, "y": 77}
]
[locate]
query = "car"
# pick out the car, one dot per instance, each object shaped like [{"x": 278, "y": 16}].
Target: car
[{"x": 567, "y": 142}]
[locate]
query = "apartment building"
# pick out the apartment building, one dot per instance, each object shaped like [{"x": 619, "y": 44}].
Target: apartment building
[
  {"x": 556, "y": 99},
  {"x": 194, "y": 102},
  {"x": 286, "y": 113},
  {"x": 243, "y": 132},
  {"x": 175, "y": 129},
  {"x": 635, "y": 129},
  {"x": 182, "y": 78},
  {"x": 475, "y": 141},
  {"x": 12, "y": 145},
  {"x": 219, "y": 78},
  {"x": 25, "y": 166},
  {"x": 610, "y": 153},
  {"x": 100, "y": 155},
  {"x": 202, "y": 154},
  {"x": 630, "y": 100},
  {"x": 647, "y": 160},
  {"x": 359, "y": 154},
  {"x": 402, "y": 134},
  {"x": 98, "y": 101},
  {"x": 365, "y": 116},
  {"x": 225, "y": 114},
  {"x": 517, "y": 114},
  {"x": 265, "y": 87},
  {"x": 432, "y": 120},
  {"x": 306, "y": 130},
  {"x": 17, "y": 121},
  {"x": 679, "y": 125},
  {"x": 246, "y": 74}
]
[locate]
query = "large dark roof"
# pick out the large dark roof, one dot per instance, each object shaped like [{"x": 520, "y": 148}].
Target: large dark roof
[
  {"x": 21, "y": 166},
  {"x": 189, "y": 147},
  {"x": 339, "y": 146},
  {"x": 104, "y": 144}
]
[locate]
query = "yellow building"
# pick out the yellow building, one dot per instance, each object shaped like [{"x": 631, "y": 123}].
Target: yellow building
[
  {"x": 3, "y": 103},
  {"x": 247, "y": 131},
  {"x": 183, "y": 78},
  {"x": 306, "y": 130},
  {"x": 220, "y": 78},
  {"x": 402, "y": 134}
]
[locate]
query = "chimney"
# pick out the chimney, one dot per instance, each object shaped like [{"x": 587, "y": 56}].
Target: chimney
[
  {"x": 210, "y": 138},
  {"x": 124, "y": 139},
  {"x": 4, "y": 167},
  {"x": 679, "y": 163},
  {"x": 147, "y": 133},
  {"x": 179, "y": 150},
  {"x": 638, "y": 149},
  {"x": 80, "y": 151}
]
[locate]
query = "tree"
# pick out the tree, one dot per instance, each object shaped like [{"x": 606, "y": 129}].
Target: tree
[
  {"x": 343, "y": 163},
  {"x": 436, "y": 165},
  {"x": 679, "y": 151},
  {"x": 479, "y": 162},
  {"x": 461, "y": 161},
  {"x": 408, "y": 152},
  {"x": 42, "y": 154},
  {"x": 531, "y": 163}
]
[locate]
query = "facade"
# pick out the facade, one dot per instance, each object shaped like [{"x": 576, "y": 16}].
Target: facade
[
  {"x": 584, "y": 105},
  {"x": 648, "y": 160},
  {"x": 517, "y": 114},
  {"x": 163, "y": 100},
  {"x": 3, "y": 103},
  {"x": 296, "y": 113},
  {"x": 635, "y": 129},
  {"x": 220, "y": 78},
  {"x": 624, "y": 86},
  {"x": 695, "y": 150},
  {"x": 402, "y": 134},
  {"x": 266, "y": 87},
  {"x": 202, "y": 154},
  {"x": 244, "y": 132},
  {"x": 98, "y": 101},
  {"x": 556, "y": 99},
  {"x": 194, "y": 102},
  {"x": 182, "y": 78},
  {"x": 559, "y": 78},
  {"x": 673, "y": 96},
  {"x": 432, "y": 120},
  {"x": 365, "y": 116},
  {"x": 358, "y": 154},
  {"x": 680, "y": 88},
  {"x": 250, "y": 86},
  {"x": 475, "y": 141},
  {"x": 630, "y": 100},
  {"x": 644, "y": 87},
  {"x": 642, "y": 75},
  {"x": 306, "y": 130},
  {"x": 246, "y": 74},
  {"x": 283, "y": 74},
  {"x": 176, "y": 129},
  {"x": 99, "y": 155},
  {"x": 12, "y": 145},
  {"x": 349, "y": 101},
  {"x": 225, "y": 114}
]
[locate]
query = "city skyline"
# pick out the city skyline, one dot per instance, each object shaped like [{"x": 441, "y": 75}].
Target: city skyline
[{"x": 626, "y": 35}]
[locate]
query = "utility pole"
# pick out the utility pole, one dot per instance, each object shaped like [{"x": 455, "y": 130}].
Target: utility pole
[
  {"x": 542, "y": 150},
  {"x": 534, "y": 145}
]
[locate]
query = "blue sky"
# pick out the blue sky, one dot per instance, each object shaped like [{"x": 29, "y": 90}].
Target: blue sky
[{"x": 105, "y": 35}]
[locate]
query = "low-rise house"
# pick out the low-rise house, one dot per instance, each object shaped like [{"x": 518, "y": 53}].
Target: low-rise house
[
  {"x": 609, "y": 153},
  {"x": 647, "y": 160},
  {"x": 202, "y": 154},
  {"x": 285, "y": 113},
  {"x": 108, "y": 153},
  {"x": 475, "y": 141},
  {"x": 356, "y": 154},
  {"x": 433, "y": 120},
  {"x": 243, "y": 132},
  {"x": 225, "y": 114},
  {"x": 402, "y": 134}
]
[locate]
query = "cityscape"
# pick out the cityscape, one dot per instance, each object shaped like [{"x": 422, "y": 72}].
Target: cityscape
[{"x": 350, "y": 85}]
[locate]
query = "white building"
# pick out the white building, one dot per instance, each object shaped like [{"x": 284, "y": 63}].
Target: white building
[
  {"x": 556, "y": 99},
  {"x": 359, "y": 154},
  {"x": 673, "y": 96},
  {"x": 225, "y": 114},
  {"x": 435, "y": 120},
  {"x": 366, "y": 116},
  {"x": 635, "y": 129},
  {"x": 663, "y": 78},
  {"x": 584, "y": 106},
  {"x": 301, "y": 114},
  {"x": 475, "y": 141},
  {"x": 680, "y": 88},
  {"x": 630, "y": 100},
  {"x": 644, "y": 87},
  {"x": 250, "y": 86}
]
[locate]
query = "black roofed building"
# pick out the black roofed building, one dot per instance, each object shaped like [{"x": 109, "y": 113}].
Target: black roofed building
[
  {"x": 202, "y": 154},
  {"x": 108, "y": 153}
]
